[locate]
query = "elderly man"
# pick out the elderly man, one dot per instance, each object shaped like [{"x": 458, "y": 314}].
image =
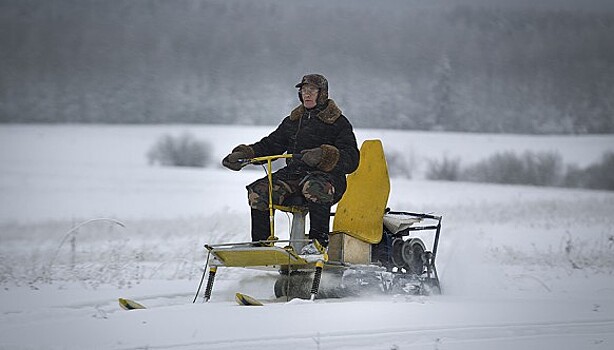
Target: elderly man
[{"x": 323, "y": 135}]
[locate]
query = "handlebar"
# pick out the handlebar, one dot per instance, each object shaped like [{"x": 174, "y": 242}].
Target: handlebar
[{"x": 268, "y": 159}]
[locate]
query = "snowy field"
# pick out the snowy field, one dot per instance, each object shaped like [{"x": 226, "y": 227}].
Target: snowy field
[{"x": 521, "y": 267}]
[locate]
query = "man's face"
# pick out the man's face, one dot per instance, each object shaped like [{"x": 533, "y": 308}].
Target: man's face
[{"x": 309, "y": 92}]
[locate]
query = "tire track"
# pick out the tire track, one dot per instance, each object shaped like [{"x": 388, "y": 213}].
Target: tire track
[{"x": 418, "y": 336}]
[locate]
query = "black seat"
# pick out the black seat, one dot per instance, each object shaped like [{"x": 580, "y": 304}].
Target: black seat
[
  {"x": 294, "y": 204},
  {"x": 295, "y": 201}
]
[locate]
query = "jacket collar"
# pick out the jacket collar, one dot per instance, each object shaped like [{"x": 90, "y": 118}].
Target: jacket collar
[{"x": 328, "y": 115}]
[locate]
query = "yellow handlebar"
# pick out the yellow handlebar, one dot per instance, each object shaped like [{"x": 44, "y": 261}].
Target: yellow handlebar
[{"x": 272, "y": 158}]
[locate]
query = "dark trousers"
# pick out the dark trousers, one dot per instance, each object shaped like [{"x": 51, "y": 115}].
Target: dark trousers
[
  {"x": 319, "y": 217},
  {"x": 314, "y": 189}
]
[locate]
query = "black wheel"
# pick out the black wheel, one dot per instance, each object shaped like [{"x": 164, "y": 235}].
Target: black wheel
[
  {"x": 412, "y": 252},
  {"x": 296, "y": 285},
  {"x": 281, "y": 285},
  {"x": 397, "y": 253}
]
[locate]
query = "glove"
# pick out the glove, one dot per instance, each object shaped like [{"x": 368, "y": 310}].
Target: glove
[
  {"x": 312, "y": 157},
  {"x": 231, "y": 161}
]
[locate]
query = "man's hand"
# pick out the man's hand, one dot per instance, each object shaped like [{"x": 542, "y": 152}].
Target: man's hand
[
  {"x": 231, "y": 161},
  {"x": 312, "y": 157}
]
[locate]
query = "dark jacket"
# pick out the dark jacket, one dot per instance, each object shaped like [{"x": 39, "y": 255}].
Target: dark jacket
[{"x": 323, "y": 126}]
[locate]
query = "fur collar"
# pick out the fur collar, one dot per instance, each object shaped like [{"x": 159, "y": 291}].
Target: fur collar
[{"x": 328, "y": 115}]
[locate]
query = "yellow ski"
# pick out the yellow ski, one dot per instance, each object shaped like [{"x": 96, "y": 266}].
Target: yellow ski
[
  {"x": 128, "y": 304},
  {"x": 246, "y": 300}
]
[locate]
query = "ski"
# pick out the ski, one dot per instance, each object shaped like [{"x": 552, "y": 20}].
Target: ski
[
  {"x": 246, "y": 300},
  {"x": 128, "y": 304}
]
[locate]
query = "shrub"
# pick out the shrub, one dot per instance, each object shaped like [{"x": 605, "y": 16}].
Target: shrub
[
  {"x": 573, "y": 176},
  {"x": 601, "y": 175},
  {"x": 503, "y": 167},
  {"x": 540, "y": 169},
  {"x": 530, "y": 168},
  {"x": 543, "y": 169},
  {"x": 182, "y": 150},
  {"x": 399, "y": 165},
  {"x": 447, "y": 169},
  {"x": 595, "y": 176}
]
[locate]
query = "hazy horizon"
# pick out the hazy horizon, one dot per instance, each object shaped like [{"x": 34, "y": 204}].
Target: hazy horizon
[{"x": 468, "y": 65}]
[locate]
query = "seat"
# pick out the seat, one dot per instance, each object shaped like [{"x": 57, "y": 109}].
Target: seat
[
  {"x": 293, "y": 204},
  {"x": 360, "y": 213}
]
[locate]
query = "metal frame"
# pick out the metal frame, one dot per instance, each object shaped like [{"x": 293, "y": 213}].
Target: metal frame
[{"x": 432, "y": 255}]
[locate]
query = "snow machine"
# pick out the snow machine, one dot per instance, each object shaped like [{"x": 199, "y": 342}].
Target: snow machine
[{"x": 372, "y": 249}]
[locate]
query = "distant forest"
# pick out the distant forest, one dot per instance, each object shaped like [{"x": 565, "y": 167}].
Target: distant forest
[{"x": 455, "y": 65}]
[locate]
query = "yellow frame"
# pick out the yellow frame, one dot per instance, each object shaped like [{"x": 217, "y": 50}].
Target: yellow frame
[{"x": 269, "y": 160}]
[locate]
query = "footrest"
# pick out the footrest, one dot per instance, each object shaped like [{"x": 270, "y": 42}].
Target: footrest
[{"x": 256, "y": 256}]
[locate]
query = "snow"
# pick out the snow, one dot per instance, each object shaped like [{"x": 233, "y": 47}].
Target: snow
[{"x": 520, "y": 266}]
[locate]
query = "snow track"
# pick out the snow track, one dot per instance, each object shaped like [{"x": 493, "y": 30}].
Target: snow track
[
  {"x": 477, "y": 336},
  {"x": 521, "y": 267},
  {"x": 385, "y": 322}
]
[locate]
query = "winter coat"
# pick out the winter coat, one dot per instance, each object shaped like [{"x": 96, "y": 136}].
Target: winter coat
[{"x": 323, "y": 126}]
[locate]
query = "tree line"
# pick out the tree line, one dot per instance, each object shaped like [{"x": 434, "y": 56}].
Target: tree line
[{"x": 470, "y": 65}]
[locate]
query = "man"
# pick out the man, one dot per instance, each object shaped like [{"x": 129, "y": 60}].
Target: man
[{"x": 325, "y": 138}]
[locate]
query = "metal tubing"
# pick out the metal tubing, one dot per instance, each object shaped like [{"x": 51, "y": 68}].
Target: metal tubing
[
  {"x": 420, "y": 215},
  {"x": 269, "y": 160},
  {"x": 436, "y": 243},
  {"x": 202, "y": 278},
  {"x": 421, "y": 228},
  {"x": 271, "y": 210},
  {"x": 251, "y": 243}
]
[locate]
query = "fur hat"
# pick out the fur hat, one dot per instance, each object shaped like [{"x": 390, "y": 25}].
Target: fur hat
[{"x": 320, "y": 82}]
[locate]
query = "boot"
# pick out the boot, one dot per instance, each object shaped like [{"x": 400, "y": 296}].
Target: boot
[
  {"x": 319, "y": 218},
  {"x": 260, "y": 225}
]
